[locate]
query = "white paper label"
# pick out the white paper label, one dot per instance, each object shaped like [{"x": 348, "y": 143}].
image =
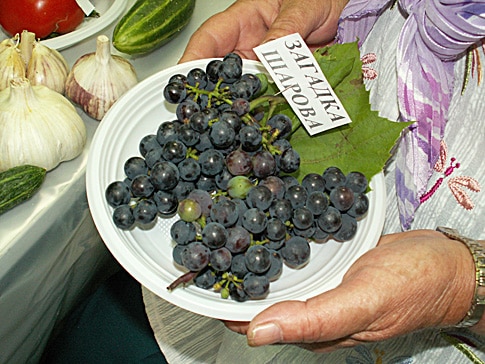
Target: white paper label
[
  {"x": 299, "y": 78},
  {"x": 86, "y": 6}
]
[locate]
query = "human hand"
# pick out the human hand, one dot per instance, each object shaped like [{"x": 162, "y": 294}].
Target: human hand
[
  {"x": 410, "y": 281},
  {"x": 248, "y": 23}
]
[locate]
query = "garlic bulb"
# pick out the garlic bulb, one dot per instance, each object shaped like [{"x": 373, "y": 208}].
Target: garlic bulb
[
  {"x": 47, "y": 67},
  {"x": 38, "y": 126},
  {"x": 30, "y": 58},
  {"x": 98, "y": 79},
  {"x": 11, "y": 63}
]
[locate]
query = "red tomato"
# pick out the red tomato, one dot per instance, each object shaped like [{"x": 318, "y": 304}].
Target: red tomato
[{"x": 41, "y": 17}]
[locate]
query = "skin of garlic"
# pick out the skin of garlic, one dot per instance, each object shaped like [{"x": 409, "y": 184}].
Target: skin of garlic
[
  {"x": 47, "y": 67},
  {"x": 11, "y": 62},
  {"x": 38, "y": 126},
  {"x": 98, "y": 79}
]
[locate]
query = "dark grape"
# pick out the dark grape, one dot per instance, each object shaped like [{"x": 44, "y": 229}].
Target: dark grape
[
  {"x": 195, "y": 256},
  {"x": 259, "y": 197},
  {"x": 164, "y": 176},
  {"x": 224, "y": 212},
  {"x": 186, "y": 109},
  {"x": 222, "y": 134},
  {"x": 240, "y": 106},
  {"x": 174, "y": 151},
  {"x": 289, "y": 160},
  {"x": 342, "y": 198},
  {"x": 148, "y": 143},
  {"x": 256, "y": 286},
  {"x": 117, "y": 193},
  {"x": 197, "y": 77},
  {"x": 135, "y": 166},
  {"x": 238, "y": 163},
  {"x": 275, "y": 229},
  {"x": 331, "y": 220},
  {"x": 145, "y": 211},
  {"x": 123, "y": 217},
  {"x": 175, "y": 92},
  {"x": 141, "y": 186},
  {"x": 347, "y": 230},
  {"x": 313, "y": 182},
  {"x": 167, "y": 203},
  {"x": 281, "y": 209},
  {"x": 357, "y": 182},
  {"x": 333, "y": 177},
  {"x": 238, "y": 239},
  {"x": 250, "y": 138},
  {"x": 205, "y": 279},
  {"x": 263, "y": 163},
  {"x": 254, "y": 220},
  {"x": 238, "y": 265},
  {"x": 317, "y": 202},
  {"x": 276, "y": 267},
  {"x": 220, "y": 259},
  {"x": 296, "y": 252},
  {"x": 297, "y": 195},
  {"x": 302, "y": 218},
  {"x": 189, "y": 169},
  {"x": 360, "y": 206},
  {"x": 211, "y": 162},
  {"x": 214, "y": 235},
  {"x": 183, "y": 232},
  {"x": 282, "y": 123},
  {"x": 258, "y": 259}
]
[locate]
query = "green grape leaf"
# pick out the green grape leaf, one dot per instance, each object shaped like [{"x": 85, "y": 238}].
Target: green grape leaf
[{"x": 363, "y": 145}]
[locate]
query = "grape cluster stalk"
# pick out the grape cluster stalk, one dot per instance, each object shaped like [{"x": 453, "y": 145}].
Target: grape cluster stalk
[{"x": 224, "y": 166}]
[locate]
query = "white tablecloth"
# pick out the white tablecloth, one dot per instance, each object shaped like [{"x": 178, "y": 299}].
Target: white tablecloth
[{"x": 50, "y": 251}]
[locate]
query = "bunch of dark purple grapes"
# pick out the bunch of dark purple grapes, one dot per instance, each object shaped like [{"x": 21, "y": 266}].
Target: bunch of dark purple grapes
[
  {"x": 224, "y": 164},
  {"x": 221, "y": 130},
  {"x": 237, "y": 243}
]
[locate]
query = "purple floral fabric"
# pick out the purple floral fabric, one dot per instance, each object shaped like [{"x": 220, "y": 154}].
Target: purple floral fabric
[{"x": 436, "y": 33}]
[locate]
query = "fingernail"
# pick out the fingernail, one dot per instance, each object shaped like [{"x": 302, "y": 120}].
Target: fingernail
[{"x": 265, "y": 334}]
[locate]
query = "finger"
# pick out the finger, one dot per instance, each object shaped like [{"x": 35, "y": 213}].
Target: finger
[
  {"x": 239, "y": 28},
  {"x": 315, "y": 21},
  {"x": 331, "y": 316},
  {"x": 208, "y": 42},
  {"x": 236, "y": 326}
]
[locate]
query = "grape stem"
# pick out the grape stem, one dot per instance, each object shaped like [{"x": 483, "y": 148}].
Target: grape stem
[{"x": 183, "y": 279}]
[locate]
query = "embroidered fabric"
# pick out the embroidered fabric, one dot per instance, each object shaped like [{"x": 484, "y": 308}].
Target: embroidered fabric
[{"x": 434, "y": 32}]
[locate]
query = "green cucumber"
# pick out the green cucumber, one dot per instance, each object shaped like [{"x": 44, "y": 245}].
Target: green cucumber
[
  {"x": 149, "y": 24},
  {"x": 18, "y": 184}
]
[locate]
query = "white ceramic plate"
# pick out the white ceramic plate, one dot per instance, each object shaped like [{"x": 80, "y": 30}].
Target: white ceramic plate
[
  {"x": 147, "y": 254},
  {"x": 109, "y": 11}
]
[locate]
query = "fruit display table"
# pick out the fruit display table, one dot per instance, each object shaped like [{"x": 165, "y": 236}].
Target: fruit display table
[{"x": 50, "y": 251}]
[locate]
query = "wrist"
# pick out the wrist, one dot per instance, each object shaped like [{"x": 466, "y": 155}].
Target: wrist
[
  {"x": 479, "y": 327},
  {"x": 474, "y": 317}
]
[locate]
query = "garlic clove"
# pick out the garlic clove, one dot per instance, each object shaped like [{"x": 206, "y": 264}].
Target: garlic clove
[
  {"x": 38, "y": 126},
  {"x": 98, "y": 79},
  {"x": 11, "y": 62},
  {"x": 47, "y": 67}
]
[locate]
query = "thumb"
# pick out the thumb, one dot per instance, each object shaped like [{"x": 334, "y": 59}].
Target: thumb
[{"x": 330, "y": 316}]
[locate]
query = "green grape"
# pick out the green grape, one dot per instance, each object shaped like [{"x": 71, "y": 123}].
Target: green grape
[
  {"x": 239, "y": 186},
  {"x": 189, "y": 210}
]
